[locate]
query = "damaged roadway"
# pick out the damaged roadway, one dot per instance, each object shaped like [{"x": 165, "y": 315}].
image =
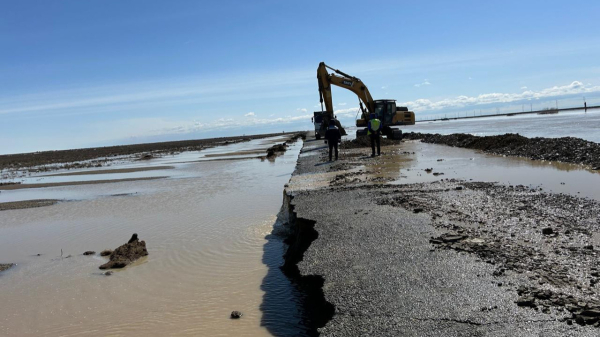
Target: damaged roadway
[{"x": 386, "y": 269}]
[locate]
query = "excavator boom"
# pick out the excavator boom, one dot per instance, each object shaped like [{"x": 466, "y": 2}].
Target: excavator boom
[{"x": 345, "y": 81}]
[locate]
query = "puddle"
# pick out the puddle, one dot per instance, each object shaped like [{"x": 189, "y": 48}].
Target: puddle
[
  {"x": 467, "y": 164},
  {"x": 407, "y": 162}
]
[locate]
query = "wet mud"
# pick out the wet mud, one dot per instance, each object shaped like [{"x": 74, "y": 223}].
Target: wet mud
[
  {"x": 565, "y": 149},
  {"x": 72, "y": 183},
  {"x": 12, "y": 205},
  {"x": 123, "y": 170}
]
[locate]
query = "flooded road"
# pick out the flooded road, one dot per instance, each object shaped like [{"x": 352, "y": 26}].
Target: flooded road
[
  {"x": 206, "y": 227},
  {"x": 458, "y": 163},
  {"x": 415, "y": 162}
]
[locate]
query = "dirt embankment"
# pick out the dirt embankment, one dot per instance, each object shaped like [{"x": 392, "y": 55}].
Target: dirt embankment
[
  {"x": 26, "y": 160},
  {"x": 565, "y": 149}
]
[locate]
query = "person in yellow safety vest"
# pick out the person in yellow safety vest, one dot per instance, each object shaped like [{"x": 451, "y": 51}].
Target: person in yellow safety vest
[{"x": 374, "y": 131}]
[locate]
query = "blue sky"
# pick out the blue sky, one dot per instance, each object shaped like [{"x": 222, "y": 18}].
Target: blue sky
[{"x": 90, "y": 73}]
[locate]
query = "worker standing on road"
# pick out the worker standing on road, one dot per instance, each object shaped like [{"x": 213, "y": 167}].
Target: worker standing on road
[
  {"x": 332, "y": 138},
  {"x": 374, "y": 132}
]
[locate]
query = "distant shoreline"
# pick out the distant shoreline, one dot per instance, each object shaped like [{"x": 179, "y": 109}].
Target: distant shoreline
[
  {"x": 510, "y": 114},
  {"x": 100, "y": 155}
]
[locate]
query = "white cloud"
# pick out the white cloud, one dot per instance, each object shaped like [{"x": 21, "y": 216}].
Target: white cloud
[
  {"x": 250, "y": 114},
  {"x": 470, "y": 77},
  {"x": 425, "y": 82},
  {"x": 341, "y": 104},
  {"x": 575, "y": 87},
  {"x": 523, "y": 88},
  {"x": 144, "y": 94},
  {"x": 301, "y": 110},
  {"x": 384, "y": 87},
  {"x": 178, "y": 127}
]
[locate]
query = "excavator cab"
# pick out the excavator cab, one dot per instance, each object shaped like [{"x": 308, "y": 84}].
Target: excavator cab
[
  {"x": 389, "y": 115},
  {"x": 385, "y": 109}
]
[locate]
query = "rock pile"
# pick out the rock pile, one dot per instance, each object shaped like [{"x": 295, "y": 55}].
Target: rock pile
[
  {"x": 126, "y": 254},
  {"x": 565, "y": 149},
  {"x": 585, "y": 312}
]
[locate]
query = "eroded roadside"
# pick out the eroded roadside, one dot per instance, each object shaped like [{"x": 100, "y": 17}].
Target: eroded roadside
[{"x": 449, "y": 257}]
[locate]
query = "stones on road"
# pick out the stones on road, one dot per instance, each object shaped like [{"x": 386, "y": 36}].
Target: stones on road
[{"x": 544, "y": 237}]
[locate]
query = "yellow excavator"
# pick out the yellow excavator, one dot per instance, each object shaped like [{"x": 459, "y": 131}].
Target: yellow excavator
[{"x": 385, "y": 109}]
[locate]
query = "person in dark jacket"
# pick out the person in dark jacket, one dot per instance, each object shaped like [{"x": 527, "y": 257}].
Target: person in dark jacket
[{"x": 332, "y": 138}]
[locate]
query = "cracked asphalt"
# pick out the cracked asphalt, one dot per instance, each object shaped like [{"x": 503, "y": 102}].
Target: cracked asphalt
[{"x": 385, "y": 278}]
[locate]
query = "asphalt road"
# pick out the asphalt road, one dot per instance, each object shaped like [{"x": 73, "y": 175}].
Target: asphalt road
[{"x": 385, "y": 278}]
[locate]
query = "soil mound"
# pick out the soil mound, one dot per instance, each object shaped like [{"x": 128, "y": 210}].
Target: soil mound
[
  {"x": 273, "y": 150},
  {"x": 565, "y": 149},
  {"x": 126, "y": 254}
]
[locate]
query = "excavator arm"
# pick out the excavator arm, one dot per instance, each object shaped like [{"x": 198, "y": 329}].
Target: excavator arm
[
  {"x": 345, "y": 81},
  {"x": 385, "y": 109}
]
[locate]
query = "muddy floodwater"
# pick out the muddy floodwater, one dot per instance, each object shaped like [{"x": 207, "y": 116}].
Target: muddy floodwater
[{"x": 206, "y": 223}]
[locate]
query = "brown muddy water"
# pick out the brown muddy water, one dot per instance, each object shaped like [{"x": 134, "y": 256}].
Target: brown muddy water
[{"x": 207, "y": 228}]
